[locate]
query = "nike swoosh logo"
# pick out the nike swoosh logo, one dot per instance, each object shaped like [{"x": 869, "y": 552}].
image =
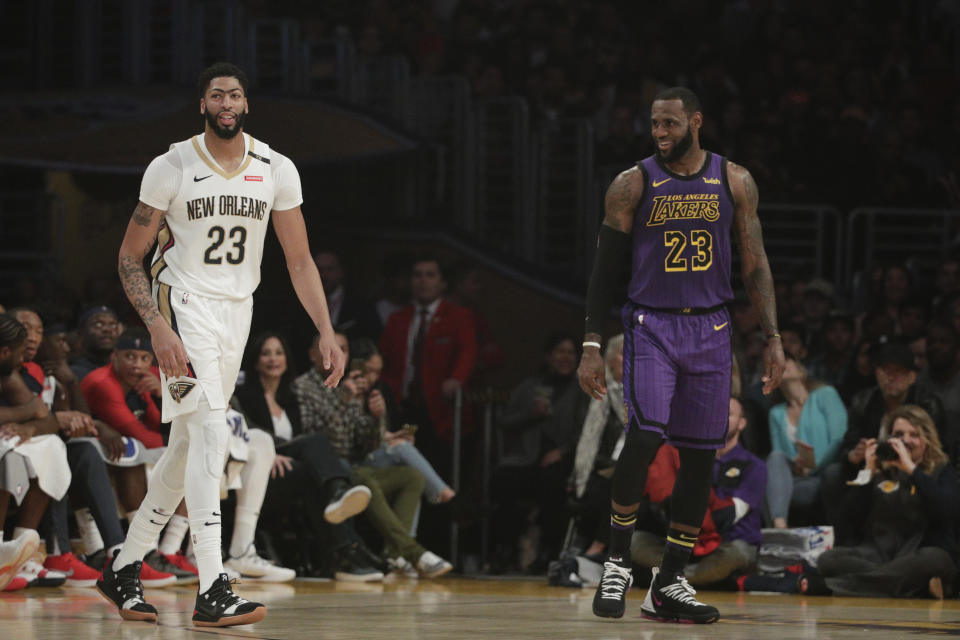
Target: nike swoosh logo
[
  {"x": 196, "y": 179},
  {"x": 159, "y": 524},
  {"x": 209, "y": 524},
  {"x": 717, "y": 327},
  {"x": 655, "y": 183}
]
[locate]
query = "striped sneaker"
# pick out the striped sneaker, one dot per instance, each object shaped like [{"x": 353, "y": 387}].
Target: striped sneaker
[{"x": 219, "y": 606}]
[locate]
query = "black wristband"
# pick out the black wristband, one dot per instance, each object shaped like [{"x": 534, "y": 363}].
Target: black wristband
[{"x": 613, "y": 248}]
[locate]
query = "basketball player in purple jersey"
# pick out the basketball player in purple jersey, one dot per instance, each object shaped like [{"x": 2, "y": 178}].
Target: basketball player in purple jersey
[{"x": 672, "y": 215}]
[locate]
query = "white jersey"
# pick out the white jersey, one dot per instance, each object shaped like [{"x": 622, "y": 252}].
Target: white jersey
[{"x": 211, "y": 240}]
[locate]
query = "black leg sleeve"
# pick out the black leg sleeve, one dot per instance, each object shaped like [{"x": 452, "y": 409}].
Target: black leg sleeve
[
  {"x": 692, "y": 490},
  {"x": 630, "y": 475}
]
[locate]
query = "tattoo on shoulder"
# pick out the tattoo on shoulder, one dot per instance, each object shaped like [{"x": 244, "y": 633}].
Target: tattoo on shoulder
[
  {"x": 621, "y": 199},
  {"x": 143, "y": 214}
]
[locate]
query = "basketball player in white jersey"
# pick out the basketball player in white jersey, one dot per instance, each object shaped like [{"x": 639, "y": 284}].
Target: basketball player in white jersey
[{"x": 207, "y": 203}]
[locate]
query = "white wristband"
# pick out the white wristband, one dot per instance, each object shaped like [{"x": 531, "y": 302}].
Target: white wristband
[{"x": 592, "y": 344}]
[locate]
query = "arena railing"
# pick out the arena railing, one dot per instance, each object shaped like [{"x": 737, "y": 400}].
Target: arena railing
[{"x": 877, "y": 235}]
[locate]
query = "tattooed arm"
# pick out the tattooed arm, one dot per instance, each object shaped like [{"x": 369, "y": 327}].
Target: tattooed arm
[
  {"x": 756, "y": 269},
  {"x": 139, "y": 239}
]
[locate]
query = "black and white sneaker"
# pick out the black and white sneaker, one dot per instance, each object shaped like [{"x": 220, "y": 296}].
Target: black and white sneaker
[
  {"x": 346, "y": 502},
  {"x": 123, "y": 588},
  {"x": 219, "y": 606},
  {"x": 674, "y": 601},
  {"x": 610, "y": 601}
]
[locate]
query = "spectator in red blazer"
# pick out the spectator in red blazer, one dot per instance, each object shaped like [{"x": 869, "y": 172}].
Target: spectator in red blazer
[{"x": 444, "y": 336}]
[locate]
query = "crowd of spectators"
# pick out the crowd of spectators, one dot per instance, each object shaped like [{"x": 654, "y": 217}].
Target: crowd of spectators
[
  {"x": 873, "y": 84},
  {"x": 868, "y": 414}
]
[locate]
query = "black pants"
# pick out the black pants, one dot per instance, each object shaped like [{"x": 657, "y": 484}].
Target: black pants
[
  {"x": 593, "y": 520},
  {"x": 518, "y": 489},
  {"x": 861, "y": 571},
  {"x": 315, "y": 463},
  {"x": 90, "y": 487}
]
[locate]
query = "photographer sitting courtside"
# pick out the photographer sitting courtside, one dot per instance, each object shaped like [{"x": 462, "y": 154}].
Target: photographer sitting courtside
[{"x": 908, "y": 498}]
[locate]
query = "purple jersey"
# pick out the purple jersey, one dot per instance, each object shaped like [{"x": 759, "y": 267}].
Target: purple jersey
[{"x": 681, "y": 237}]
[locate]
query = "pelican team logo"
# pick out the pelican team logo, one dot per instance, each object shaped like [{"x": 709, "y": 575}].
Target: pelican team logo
[{"x": 179, "y": 390}]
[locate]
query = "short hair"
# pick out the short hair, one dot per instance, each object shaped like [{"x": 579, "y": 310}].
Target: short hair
[
  {"x": 429, "y": 257},
  {"x": 363, "y": 348},
  {"x": 221, "y": 70},
  {"x": 12, "y": 333},
  {"x": 24, "y": 307},
  {"x": 691, "y": 103}
]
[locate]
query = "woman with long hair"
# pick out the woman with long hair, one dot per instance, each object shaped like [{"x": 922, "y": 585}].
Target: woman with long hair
[
  {"x": 908, "y": 499},
  {"x": 305, "y": 464},
  {"x": 806, "y": 430}
]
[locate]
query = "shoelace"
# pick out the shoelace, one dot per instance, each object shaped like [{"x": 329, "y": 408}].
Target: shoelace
[
  {"x": 128, "y": 580},
  {"x": 614, "y": 581},
  {"x": 222, "y": 596},
  {"x": 681, "y": 591}
]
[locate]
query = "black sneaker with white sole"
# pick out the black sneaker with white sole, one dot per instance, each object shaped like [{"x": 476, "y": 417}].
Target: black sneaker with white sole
[
  {"x": 671, "y": 599},
  {"x": 346, "y": 502},
  {"x": 123, "y": 588},
  {"x": 219, "y": 606},
  {"x": 610, "y": 600}
]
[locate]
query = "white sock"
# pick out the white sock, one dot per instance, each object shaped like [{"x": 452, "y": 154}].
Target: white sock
[
  {"x": 142, "y": 534},
  {"x": 89, "y": 532},
  {"x": 173, "y": 536},
  {"x": 205, "y": 533},
  {"x": 244, "y": 529},
  {"x": 112, "y": 549}
]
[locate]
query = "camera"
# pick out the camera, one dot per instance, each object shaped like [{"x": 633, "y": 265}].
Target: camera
[{"x": 886, "y": 452}]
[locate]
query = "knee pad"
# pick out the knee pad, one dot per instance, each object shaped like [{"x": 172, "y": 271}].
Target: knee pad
[{"x": 214, "y": 438}]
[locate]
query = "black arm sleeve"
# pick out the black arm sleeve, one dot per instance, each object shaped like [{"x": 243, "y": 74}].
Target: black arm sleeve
[{"x": 613, "y": 247}]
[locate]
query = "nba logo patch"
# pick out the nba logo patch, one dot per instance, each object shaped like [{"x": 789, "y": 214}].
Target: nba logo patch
[
  {"x": 640, "y": 319},
  {"x": 185, "y": 299},
  {"x": 179, "y": 390}
]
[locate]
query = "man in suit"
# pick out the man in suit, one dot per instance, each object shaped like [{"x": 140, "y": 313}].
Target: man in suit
[
  {"x": 429, "y": 350},
  {"x": 351, "y": 315}
]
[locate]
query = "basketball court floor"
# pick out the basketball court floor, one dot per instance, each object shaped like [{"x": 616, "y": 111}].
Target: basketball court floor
[{"x": 474, "y": 609}]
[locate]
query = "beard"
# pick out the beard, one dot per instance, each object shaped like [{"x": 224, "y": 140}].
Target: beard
[
  {"x": 679, "y": 149},
  {"x": 222, "y": 132}
]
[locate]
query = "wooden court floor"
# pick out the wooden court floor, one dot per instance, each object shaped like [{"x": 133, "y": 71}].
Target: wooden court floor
[{"x": 467, "y": 608}]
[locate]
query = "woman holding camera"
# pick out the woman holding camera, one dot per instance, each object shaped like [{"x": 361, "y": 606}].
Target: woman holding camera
[
  {"x": 806, "y": 430},
  {"x": 907, "y": 496}
]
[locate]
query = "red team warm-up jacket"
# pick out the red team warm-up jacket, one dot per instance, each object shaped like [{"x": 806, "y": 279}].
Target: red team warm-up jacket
[{"x": 107, "y": 402}]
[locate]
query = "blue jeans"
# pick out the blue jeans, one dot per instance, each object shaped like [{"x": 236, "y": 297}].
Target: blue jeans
[
  {"x": 406, "y": 454},
  {"x": 785, "y": 489}
]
